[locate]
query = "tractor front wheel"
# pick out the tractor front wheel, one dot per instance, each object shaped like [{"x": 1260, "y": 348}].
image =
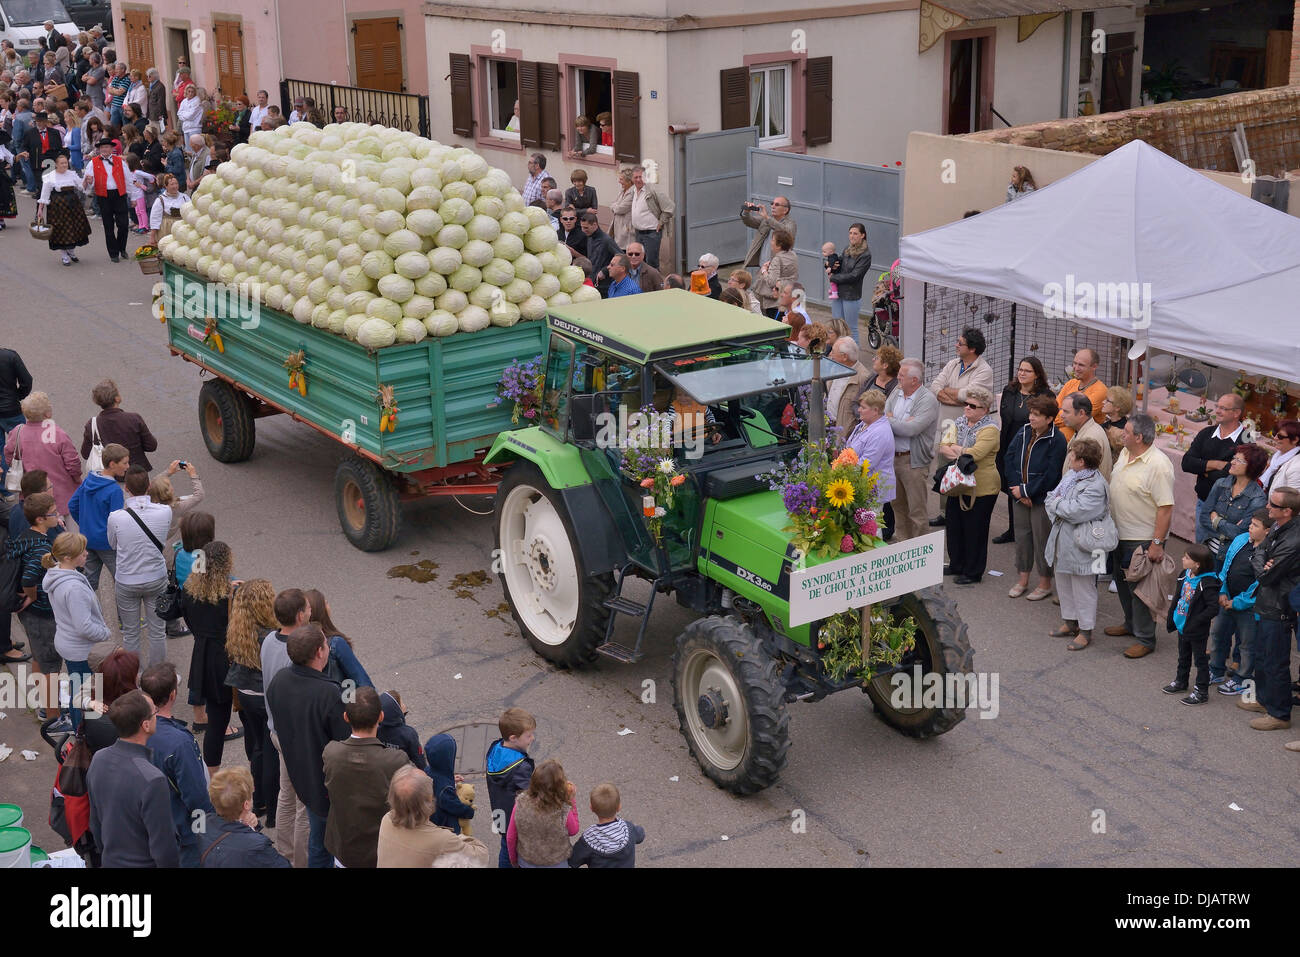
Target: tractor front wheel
[
  {"x": 559, "y": 607},
  {"x": 730, "y": 704},
  {"x": 942, "y": 649}
]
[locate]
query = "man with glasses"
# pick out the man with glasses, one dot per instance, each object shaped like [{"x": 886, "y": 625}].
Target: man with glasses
[
  {"x": 130, "y": 800},
  {"x": 1211, "y": 453},
  {"x": 1276, "y": 564},
  {"x": 756, "y": 216},
  {"x": 646, "y": 276},
  {"x": 532, "y": 190},
  {"x": 570, "y": 233}
]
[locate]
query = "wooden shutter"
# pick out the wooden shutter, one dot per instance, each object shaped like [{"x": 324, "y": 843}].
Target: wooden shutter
[
  {"x": 627, "y": 117},
  {"x": 139, "y": 39},
  {"x": 530, "y": 104},
  {"x": 462, "y": 104},
  {"x": 735, "y": 98},
  {"x": 230, "y": 57},
  {"x": 817, "y": 101},
  {"x": 378, "y": 47},
  {"x": 548, "y": 96}
]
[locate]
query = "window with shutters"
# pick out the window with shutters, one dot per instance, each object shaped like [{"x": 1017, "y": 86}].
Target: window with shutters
[
  {"x": 230, "y": 57},
  {"x": 594, "y": 99},
  {"x": 769, "y": 104},
  {"x": 503, "y": 98}
]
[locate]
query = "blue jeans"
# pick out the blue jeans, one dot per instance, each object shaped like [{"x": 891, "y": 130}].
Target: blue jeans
[
  {"x": 115, "y": 116},
  {"x": 1273, "y": 673},
  {"x": 503, "y": 859},
  {"x": 317, "y": 856},
  {"x": 650, "y": 239},
  {"x": 1203, "y": 530},
  {"x": 77, "y": 671},
  {"x": 29, "y": 175},
  {"x": 1229, "y": 623},
  {"x": 850, "y": 311}
]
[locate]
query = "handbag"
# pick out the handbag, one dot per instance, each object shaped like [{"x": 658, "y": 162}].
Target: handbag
[
  {"x": 955, "y": 479},
  {"x": 14, "y": 477},
  {"x": 1098, "y": 535},
  {"x": 95, "y": 460},
  {"x": 166, "y": 606},
  {"x": 73, "y": 772}
]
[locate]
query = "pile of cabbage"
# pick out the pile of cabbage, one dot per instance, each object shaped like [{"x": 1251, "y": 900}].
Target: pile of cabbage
[{"x": 375, "y": 234}]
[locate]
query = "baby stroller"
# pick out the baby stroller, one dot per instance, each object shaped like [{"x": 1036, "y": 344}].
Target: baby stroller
[{"x": 883, "y": 324}]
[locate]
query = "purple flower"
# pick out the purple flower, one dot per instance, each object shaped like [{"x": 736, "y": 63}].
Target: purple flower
[
  {"x": 860, "y": 516},
  {"x": 799, "y": 498}
]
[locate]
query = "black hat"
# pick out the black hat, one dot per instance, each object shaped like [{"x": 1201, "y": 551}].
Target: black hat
[{"x": 104, "y": 141}]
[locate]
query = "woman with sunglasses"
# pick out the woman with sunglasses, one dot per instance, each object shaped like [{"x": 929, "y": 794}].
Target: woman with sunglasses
[
  {"x": 1284, "y": 467},
  {"x": 969, "y": 510}
]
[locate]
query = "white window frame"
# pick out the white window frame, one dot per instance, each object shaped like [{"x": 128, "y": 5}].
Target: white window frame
[
  {"x": 493, "y": 130},
  {"x": 581, "y": 110},
  {"x": 784, "y": 139}
]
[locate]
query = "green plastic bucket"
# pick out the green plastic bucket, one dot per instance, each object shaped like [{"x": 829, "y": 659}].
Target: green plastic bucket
[
  {"x": 15, "y": 847},
  {"x": 11, "y": 815},
  {"x": 39, "y": 857}
]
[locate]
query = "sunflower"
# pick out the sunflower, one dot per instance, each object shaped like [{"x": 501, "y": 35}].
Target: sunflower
[{"x": 839, "y": 493}]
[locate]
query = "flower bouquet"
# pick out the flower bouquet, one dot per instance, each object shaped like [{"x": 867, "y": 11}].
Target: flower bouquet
[
  {"x": 832, "y": 503},
  {"x": 522, "y": 384},
  {"x": 220, "y": 120},
  {"x": 653, "y": 469}
]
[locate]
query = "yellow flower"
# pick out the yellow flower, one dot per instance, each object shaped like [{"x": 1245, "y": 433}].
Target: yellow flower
[
  {"x": 866, "y": 466},
  {"x": 839, "y": 493}
]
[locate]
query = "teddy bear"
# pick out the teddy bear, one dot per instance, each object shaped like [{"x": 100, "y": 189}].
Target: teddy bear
[{"x": 465, "y": 791}]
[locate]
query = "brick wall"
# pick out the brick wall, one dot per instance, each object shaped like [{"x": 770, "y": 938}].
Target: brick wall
[{"x": 1195, "y": 132}]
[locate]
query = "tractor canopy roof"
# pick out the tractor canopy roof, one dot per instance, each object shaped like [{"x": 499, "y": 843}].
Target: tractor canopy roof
[{"x": 667, "y": 324}]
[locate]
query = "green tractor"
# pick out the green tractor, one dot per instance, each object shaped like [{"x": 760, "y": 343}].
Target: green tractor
[{"x": 571, "y": 528}]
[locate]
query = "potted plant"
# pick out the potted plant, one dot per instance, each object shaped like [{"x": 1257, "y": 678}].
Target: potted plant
[{"x": 1165, "y": 84}]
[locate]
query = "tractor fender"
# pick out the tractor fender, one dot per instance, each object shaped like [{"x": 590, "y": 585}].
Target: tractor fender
[
  {"x": 559, "y": 462},
  {"x": 599, "y": 541}
]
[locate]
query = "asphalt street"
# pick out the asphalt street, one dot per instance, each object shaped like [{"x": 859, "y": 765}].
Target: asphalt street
[{"x": 1085, "y": 764}]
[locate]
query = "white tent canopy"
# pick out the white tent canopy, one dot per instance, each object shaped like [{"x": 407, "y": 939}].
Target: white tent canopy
[{"x": 1140, "y": 246}]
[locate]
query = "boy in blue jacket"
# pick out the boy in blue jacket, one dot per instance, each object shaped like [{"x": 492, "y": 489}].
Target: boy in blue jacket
[
  {"x": 1190, "y": 615},
  {"x": 509, "y": 769},
  {"x": 1237, "y": 599},
  {"x": 99, "y": 494}
]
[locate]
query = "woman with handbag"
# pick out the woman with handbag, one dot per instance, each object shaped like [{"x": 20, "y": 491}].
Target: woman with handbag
[
  {"x": 1082, "y": 534},
  {"x": 1034, "y": 462},
  {"x": 1233, "y": 499},
  {"x": 970, "y": 504},
  {"x": 40, "y": 443},
  {"x": 205, "y": 603},
  {"x": 61, "y": 206}
]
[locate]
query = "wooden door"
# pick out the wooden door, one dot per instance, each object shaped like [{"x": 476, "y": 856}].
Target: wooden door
[
  {"x": 1117, "y": 73},
  {"x": 139, "y": 39},
  {"x": 378, "y": 49},
  {"x": 230, "y": 57}
]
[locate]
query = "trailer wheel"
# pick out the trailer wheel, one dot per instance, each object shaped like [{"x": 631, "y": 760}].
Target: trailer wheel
[
  {"x": 226, "y": 421},
  {"x": 730, "y": 703},
  {"x": 559, "y": 607},
  {"x": 942, "y": 648},
  {"x": 369, "y": 509}
]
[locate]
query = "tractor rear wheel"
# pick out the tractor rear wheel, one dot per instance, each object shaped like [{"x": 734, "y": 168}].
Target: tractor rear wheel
[
  {"x": 370, "y": 511},
  {"x": 942, "y": 648},
  {"x": 730, "y": 704},
  {"x": 559, "y": 607}
]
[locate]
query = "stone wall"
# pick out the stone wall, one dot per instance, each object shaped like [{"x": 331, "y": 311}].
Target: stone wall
[{"x": 1195, "y": 132}]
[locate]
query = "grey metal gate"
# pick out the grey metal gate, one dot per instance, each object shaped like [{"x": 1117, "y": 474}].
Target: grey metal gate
[
  {"x": 404, "y": 111},
  {"x": 826, "y": 197},
  {"x": 715, "y": 177}
]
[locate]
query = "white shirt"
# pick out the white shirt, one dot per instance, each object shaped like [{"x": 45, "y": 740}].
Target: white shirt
[
  {"x": 139, "y": 560},
  {"x": 642, "y": 218},
  {"x": 52, "y": 181},
  {"x": 137, "y": 182},
  {"x": 190, "y": 115},
  {"x": 162, "y": 205},
  {"x": 1218, "y": 433},
  {"x": 903, "y": 408},
  {"x": 1275, "y": 465},
  {"x": 109, "y": 181},
  {"x": 295, "y": 116},
  {"x": 257, "y": 116}
]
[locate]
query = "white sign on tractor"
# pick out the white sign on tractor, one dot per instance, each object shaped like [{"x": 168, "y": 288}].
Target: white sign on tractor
[{"x": 865, "y": 578}]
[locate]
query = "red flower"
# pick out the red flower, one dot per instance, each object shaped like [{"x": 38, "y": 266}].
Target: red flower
[
  {"x": 846, "y": 543},
  {"x": 788, "y": 417}
]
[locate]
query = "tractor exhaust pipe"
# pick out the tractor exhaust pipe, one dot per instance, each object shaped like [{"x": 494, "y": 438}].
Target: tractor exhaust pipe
[{"x": 816, "y": 403}]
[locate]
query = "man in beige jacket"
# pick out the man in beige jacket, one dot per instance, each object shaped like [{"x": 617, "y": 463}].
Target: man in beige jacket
[
  {"x": 756, "y": 216},
  {"x": 842, "y": 394},
  {"x": 407, "y": 838},
  {"x": 1076, "y": 413}
]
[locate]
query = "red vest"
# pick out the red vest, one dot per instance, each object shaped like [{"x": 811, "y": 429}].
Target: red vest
[{"x": 101, "y": 175}]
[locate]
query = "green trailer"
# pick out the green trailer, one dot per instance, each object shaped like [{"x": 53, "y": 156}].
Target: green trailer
[{"x": 444, "y": 389}]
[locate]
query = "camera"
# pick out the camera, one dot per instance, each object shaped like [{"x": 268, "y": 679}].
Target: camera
[
  {"x": 751, "y": 205},
  {"x": 183, "y": 464}
]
